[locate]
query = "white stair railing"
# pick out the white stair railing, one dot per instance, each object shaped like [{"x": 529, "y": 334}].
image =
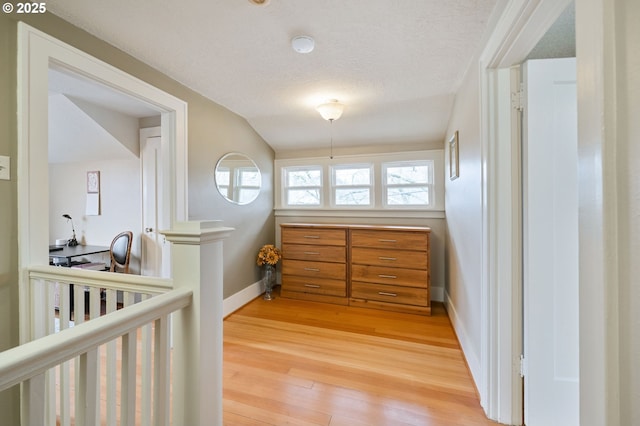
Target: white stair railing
[
  {"x": 62, "y": 298},
  {"x": 192, "y": 396},
  {"x": 31, "y": 362}
]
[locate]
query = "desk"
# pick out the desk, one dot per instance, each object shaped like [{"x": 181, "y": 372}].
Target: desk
[{"x": 63, "y": 257}]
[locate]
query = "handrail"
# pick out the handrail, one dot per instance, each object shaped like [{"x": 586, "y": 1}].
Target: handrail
[
  {"x": 126, "y": 282},
  {"x": 30, "y": 359}
]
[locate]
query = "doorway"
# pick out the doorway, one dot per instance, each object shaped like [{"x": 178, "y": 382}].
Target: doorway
[
  {"x": 36, "y": 51},
  {"x": 95, "y": 128},
  {"x": 518, "y": 31}
]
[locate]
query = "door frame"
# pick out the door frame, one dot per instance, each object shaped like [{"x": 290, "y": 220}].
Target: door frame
[
  {"x": 36, "y": 51},
  {"x": 519, "y": 28},
  {"x": 513, "y": 37}
]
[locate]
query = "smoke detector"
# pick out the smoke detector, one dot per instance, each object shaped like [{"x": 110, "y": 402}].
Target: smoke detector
[{"x": 303, "y": 44}]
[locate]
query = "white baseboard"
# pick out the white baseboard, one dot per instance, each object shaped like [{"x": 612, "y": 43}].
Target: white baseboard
[
  {"x": 241, "y": 298},
  {"x": 473, "y": 360}
]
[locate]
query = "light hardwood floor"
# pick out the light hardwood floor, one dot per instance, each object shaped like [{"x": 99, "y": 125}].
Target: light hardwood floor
[{"x": 290, "y": 362}]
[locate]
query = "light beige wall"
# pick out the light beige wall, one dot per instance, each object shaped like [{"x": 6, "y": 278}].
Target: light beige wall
[
  {"x": 9, "y": 400},
  {"x": 628, "y": 158},
  {"x": 463, "y": 206},
  {"x": 254, "y": 223}
]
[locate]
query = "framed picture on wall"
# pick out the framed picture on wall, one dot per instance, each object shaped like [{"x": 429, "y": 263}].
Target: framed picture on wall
[
  {"x": 93, "y": 182},
  {"x": 454, "y": 161}
]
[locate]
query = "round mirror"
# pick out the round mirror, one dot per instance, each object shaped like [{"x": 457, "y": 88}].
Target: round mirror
[{"x": 238, "y": 178}]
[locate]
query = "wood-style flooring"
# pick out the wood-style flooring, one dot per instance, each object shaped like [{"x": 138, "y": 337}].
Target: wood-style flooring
[{"x": 289, "y": 362}]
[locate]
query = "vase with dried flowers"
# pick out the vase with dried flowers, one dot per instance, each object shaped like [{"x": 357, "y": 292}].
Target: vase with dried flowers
[{"x": 268, "y": 257}]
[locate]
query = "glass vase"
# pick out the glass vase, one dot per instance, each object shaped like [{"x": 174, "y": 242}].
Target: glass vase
[{"x": 268, "y": 279}]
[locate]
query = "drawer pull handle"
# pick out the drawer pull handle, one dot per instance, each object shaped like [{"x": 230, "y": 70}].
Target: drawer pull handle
[
  {"x": 312, "y": 285},
  {"x": 312, "y": 269},
  {"x": 387, "y": 258},
  {"x": 382, "y": 240},
  {"x": 312, "y": 236},
  {"x": 387, "y": 276},
  {"x": 384, "y": 293},
  {"x": 312, "y": 252}
]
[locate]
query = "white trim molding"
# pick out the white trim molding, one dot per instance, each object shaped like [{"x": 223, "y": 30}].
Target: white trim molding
[
  {"x": 515, "y": 33},
  {"x": 36, "y": 52}
]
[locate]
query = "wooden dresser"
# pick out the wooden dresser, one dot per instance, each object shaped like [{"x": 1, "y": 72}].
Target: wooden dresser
[
  {"x": 382, "y": 267},
  {"x": 314, "y": 263},
  {"x": 390, "y": 268}
]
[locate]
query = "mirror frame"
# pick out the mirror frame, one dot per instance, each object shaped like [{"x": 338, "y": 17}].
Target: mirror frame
[{"x": 245, "y": 161}]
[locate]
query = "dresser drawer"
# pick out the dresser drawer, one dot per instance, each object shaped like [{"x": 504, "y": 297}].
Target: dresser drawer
[
  {"x": 314, "y": 253},
  {"x": 392, "y": 276},
  {"x": 327, "y": 287},
  {"x": 314, "y": 269},
  {"x": 406, "y": 240},
  {"x": 333, "y": 237},
  {"x": 390, "y": 294},
  {"x": 388, "y": 257}
]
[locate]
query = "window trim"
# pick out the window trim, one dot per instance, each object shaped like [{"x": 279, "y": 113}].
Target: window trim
[{"x": 378, "y": 210}]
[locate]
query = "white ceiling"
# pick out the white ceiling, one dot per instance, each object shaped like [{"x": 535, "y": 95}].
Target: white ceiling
[{"x": 396, "y": 64}]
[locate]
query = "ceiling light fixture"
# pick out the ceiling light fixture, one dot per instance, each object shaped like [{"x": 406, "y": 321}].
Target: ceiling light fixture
[
  {"x": 303, "y": 44},
  {"x": 331, "y": 111},
  {"x": 260, "y": 2}
]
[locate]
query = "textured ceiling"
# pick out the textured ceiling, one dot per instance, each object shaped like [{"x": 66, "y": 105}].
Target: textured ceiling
[{"x": 396, "y": 64}]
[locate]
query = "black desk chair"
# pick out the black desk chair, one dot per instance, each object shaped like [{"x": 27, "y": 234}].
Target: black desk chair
[{"x": 120, "y": 252}]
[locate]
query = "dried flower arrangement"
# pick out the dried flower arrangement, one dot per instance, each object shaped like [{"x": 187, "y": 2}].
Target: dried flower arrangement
[{"x": 269, "y": 254}]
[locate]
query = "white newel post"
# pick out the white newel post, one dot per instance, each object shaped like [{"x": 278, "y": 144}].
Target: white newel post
[{"x": 197, "y": 330}]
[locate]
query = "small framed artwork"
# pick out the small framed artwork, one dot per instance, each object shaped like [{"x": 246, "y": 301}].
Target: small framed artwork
[
  {"x": 93, "y": 182},
  {"x": 454, "y": 161}
]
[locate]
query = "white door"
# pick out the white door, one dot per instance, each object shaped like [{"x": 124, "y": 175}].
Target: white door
[
  {"x": 550, "y": 235},
  {"x": 152, "y": 242}
]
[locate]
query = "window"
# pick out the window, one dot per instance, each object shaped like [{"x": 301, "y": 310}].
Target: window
[
  {"x": 352, "y": 185},
  {"x": 408, "y": 184},
  {"x": 302, "y": 186},
  {"x": 398, "y": 184}
]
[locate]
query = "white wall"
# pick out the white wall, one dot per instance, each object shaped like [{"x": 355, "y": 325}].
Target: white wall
[
  {"x": 608, "y": 62},
  {"x": 463, "y": 206},
  {"x": 119, "y": 201}
]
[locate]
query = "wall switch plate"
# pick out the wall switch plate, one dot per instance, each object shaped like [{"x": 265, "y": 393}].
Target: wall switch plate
[{"x": 5, "y": 167}]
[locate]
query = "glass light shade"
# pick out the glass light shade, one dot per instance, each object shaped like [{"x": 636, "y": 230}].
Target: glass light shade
[{"x": 331, "y": 110}]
